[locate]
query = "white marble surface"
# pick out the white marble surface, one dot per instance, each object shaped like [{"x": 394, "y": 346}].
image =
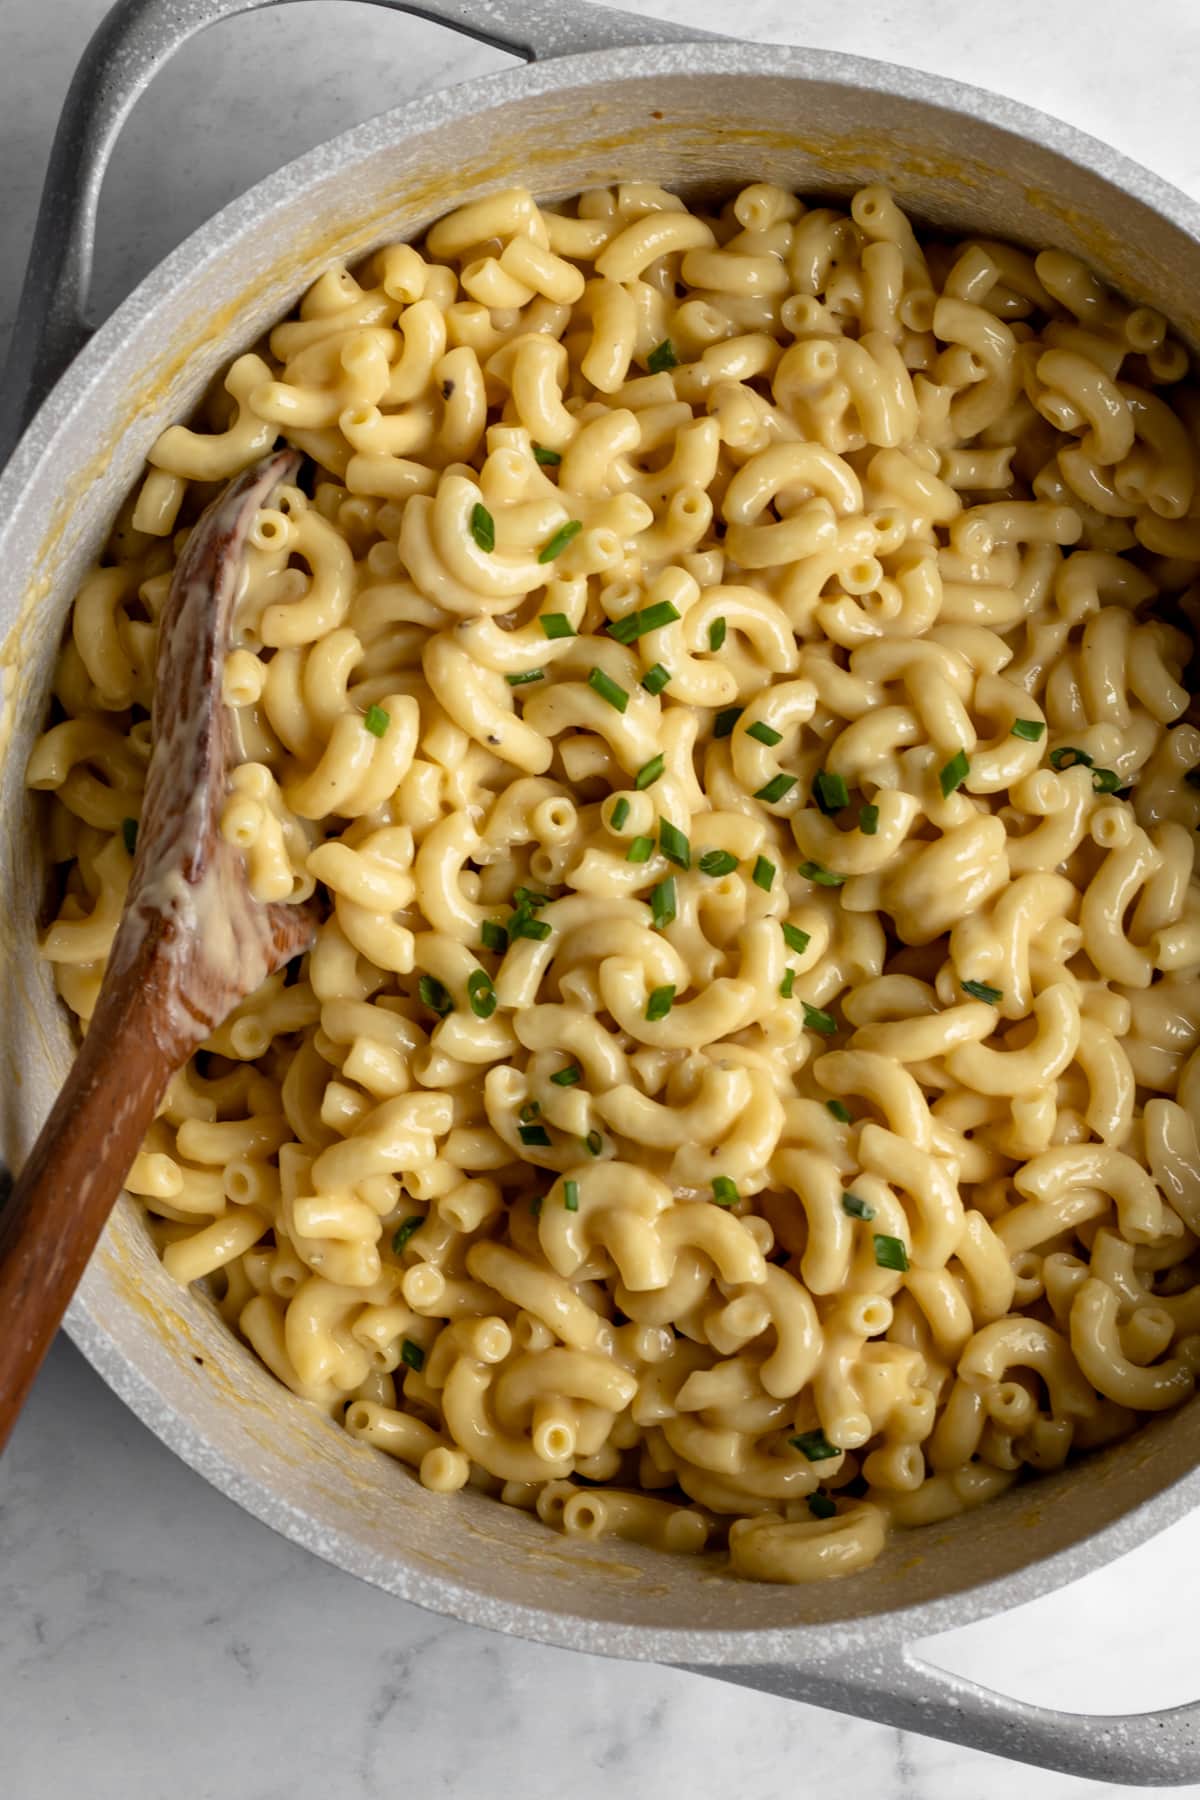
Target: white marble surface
[{"x": 157, "y": 1644}]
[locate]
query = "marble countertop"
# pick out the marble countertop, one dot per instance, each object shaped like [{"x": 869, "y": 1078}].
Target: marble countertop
[{"x": 155, "y": 1642}]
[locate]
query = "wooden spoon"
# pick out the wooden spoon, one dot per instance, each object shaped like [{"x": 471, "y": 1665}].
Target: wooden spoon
[{"x": 191, "y": 944}]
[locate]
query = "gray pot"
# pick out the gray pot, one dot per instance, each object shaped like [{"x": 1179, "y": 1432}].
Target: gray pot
[{"x": 608, "y": 96}]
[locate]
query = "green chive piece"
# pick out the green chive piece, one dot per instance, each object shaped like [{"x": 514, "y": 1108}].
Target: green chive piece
[
  {"x": 557, "y": 544},
  {"x": 129, "y": 834},
  {"x": 674, "y": 844},
  {"x": 979, "y": 990},
  {"x": 528, "y": 676},
  {"x": 557, "y": 625},
  {"x": 534, "y": 1134},
  {"x": 787, "y": 984},
  {"x": 716, "y": 634},
  {"x": 535, "y": 1205},
  {"x": 662, "y": 903},
  {"x": 483, "y": 527},
  {"x": 571, "y": 1196},
  {"x": 821, "y": 1506},
  {"x": 662, "y": 357},
  {"x": 841, "y": 1113},
  {"x": 1105, "y": 781},
  {"x": 494, "y": 936},
  {"x": 569, "y": 1076},
  {"x": 481, "y": 993},
  {"x": 656, "y": 679},
  {"x": 890, "y": 1253},
  {"x": 725, "y": 721},
  {"x": 856, "y": 1207},
  {"x": 434, "y": 994},
  {"x": 640, "y": 851},
  {"x": 764, "y": 874},
  {"x": 815, "y": 1445},
  {"x": 635, "y": 624},
  {"x": 593, "y": 1143},
  {"x": 529, "y": 1112},
  {"x": 608, "y": 689},
  {"x": 522, "y": 926},
  {"x": 764, "y": 734},
  {"x": 549, "y": 459},
  {"x": 649, "y": 772},
  {"x": 376, "y": 720},
  {"x": 868, "y": 820},
  {"x": 660, "y": 1002},
  {"x": 775, "y": 789},
  {"x": 717, "y": 862},
  {"x": 530, "y": 898},
  {"x": 412, "y": 1355},
  {"x": 816, "y": 1020},
  {"x": 794, "y": 938},
  {"x": 813, "y": 871},
  {"x": 1068, "y": 756},
  {"x": 620, "y": 813},
  {"x": 725, "y": 1191},
  {"x": 1029, "y": 729},
  {"x": 954, "y": 773},
  {"x": 830, "y": 791},
  {"x": 404, "y": 1231}
]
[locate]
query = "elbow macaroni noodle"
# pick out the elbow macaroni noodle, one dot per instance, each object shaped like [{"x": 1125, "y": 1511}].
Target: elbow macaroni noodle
[{"x": 751, "y": 1055}]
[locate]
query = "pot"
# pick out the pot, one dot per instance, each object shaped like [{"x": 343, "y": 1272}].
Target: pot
[{"x": 604, "y": 96}]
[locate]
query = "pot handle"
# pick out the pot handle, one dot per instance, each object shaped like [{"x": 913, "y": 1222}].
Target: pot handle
[
  {"x": 895, "y": 1686},
  {"x": 134, "y": 40}
]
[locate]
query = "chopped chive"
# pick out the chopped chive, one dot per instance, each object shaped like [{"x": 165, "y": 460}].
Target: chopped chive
[
  {"x": 830, "y": 791},
  {"x": 868, "y": 820},
  {"x": 649, "y": 772},
  {"x": 522, "y": 926},
  {"x": 376, "y": 720},
  {"x": 764, "y": 734},
  {"x": 662, "y": 357},
  {"x": 494, "y": 936},
  {"x": 1105, "y": 781},
  {"x": 794, "y": 938},
  {"x": 856, "y": 1207},
  {"x": 656, "y": 679},
  {"x": 725, "y": 721},
  {"x": 434, "y": 994},
  {"x": 529, "y": 1112},
  {"x": 1067, "y": 756},
  {"x": 813, "y": 871},
  {"x": 979, "y": 990},
  {"x": 557, "y": 544},
  {"x": 568, "y": 1077},
  {"x": 954, "y": 773},
  {"x": 529, "y": 897},
  {"x": 764, "y": 874},
  {"x": 635, "y": 624},
  {"x": 816, "y": 1020},
  {"x": 890, "y": 1253},
  {"x": 716, "y": 634},
  {"x": 659, "y": 1004},
  {"x": 608, "y": 689},
  {"x": 662, "y": 903},
  {"x": 775, "y": 789},
  {"x": 593, "y": 1143},
  {"x": 1029, "y": 729},
  {"x": 821, "y": 1506},
  {"x": 815, "y": 1445},
  {"x": 620, "y": 813},
  {"x": 528, "y": 676},
  {"x": 534, "y": 1134},
  {"x": 787, "y": 984},
  {"x": 129, "y": 832},
  {"x": 725, "y": 1191},
  {"x": 717, "y": 862},
  {"x": 841, "y": 1113},
  {"x": 674, "y": 845},
  {"x": 549, "y": 459},
  {"x": 481, "y": 994},
  {"x": 640, "y": 850},
  {"x": 571, "y": 1196},
  {"x": 557, "y": 625},
  {"x": 535, "y": 1205},
  {"x": 404, "y": 1231},
  {"x": 412, "y": 1355},
  {"x": 483, "y": 527}
]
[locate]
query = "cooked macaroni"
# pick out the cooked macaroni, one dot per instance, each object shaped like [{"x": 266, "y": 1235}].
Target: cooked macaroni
[{"x": 711, "y": 677}]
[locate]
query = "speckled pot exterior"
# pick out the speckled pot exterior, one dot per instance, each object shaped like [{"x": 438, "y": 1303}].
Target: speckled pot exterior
[{"x": 695, "y": 115}]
